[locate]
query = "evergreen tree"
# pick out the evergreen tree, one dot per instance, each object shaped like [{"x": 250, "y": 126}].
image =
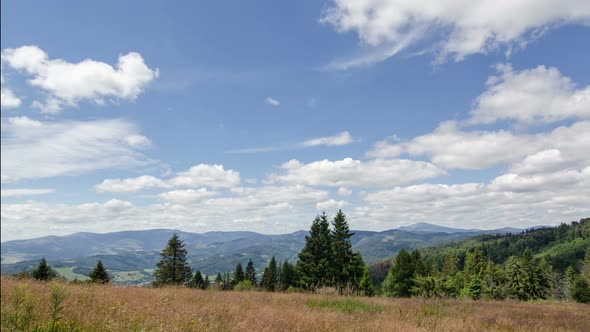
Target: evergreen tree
[
  {"x": 516, "y": 279},
  {"x": 270, "y": 276},
  {"x": 218, "y": 281},
  {"x": 399, "y": 280},
  {"x": 474, "y": 273},
  {"x": 450, "y": 279},
  {"x": 313, "y": 267},
  {"x": 173, "y": 267},
  {"x": 227, "y": 284},
  {"x": 288, "y": 277},
  {"x": 366, "y": 284},
  {"x": 238, "y": 274},
  {"x": 581, "y": 290},
  {"x": 250, "y": 274},
  {"x": 198, "y": 281},
  {"x": 99, "y": 274},
  {"x": 44, "y": 271},
  {"x": 343, "y": 259},
  {"x": 206, "y": 283},
  {"x": 493, "y": 281}
]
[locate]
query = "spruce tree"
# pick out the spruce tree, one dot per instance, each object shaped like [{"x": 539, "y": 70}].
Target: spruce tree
[
  {"x": 43, "y": 271},
  {"x": 173, "y": 267},
  {"x": 250, "y": 274},
  {"x": 399, "y": 280},
  {"x": 270, "y": 276},
  {"x": 206, "y": 283},
  {"x": 99, "y": 274},
  {"x": 474, "y": 273},
  {"x": 218, "y": 281},
  {"x": 314, "y": 265},
  {"x": 238, "y": 274},
  {"x": 516, "y": 279},
  {"x": 288, "y": 277},
  {"x": 366, "y": 284},
  {"x": 197, "y": 281},
  {"x": 343, "y": 259}
]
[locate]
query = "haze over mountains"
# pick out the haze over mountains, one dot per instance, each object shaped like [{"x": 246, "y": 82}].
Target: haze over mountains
[{"x": 131, "y": 255}]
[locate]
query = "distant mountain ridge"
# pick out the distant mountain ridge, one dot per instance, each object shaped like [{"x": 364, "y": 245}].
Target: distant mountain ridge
[{"x": 130, "y": 255}]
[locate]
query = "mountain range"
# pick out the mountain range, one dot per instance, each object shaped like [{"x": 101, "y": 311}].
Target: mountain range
[{"x": 130, "y": 256}]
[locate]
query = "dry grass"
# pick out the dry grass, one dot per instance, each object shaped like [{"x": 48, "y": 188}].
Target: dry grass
[{"x": 112, "y": 308}]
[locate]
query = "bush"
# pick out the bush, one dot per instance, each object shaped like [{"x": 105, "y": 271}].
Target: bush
[
  {"x": 244, "y": 285},
  {"x": 581, "y": 291}
]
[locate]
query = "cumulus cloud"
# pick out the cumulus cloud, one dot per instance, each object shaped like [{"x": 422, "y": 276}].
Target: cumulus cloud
[
  {"x": 271, "y": 101},
  {"x": 186, "y": 196},
  {"x": 69, "y": 83},
  {"x": 264, "y": 209},
  {"x": 7, "y": 97},
  {"x": 539, "y": 95},
  {"x": 24, "y": 192},
  {"x": 459, "y": 28},
  {"x": 355, "y": 173},
  {"x": 57, "y": 148},
  {"x": 330, "y": 205},
  {"x": 342, "y": 191},
  {"x": 202, "y": 175}
]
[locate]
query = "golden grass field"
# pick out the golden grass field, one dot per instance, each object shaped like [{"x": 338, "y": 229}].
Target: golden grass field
[{"x": 113, "y": 308}]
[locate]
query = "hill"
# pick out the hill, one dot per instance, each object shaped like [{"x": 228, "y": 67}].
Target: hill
[{"x": 130, "y": 256}]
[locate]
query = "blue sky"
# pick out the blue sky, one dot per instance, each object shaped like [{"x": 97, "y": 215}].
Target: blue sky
[{"x": 219, "y": 116}]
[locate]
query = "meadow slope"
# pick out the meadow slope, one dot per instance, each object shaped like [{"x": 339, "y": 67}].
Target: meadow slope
[{"x": 116, "y": 308}]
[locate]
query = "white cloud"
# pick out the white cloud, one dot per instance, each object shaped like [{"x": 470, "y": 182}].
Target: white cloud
[
  {"x": 24, "y": 192},
  {"x": 340, "y": 139},
  {"x": 330, "y": 205},
  {"x": 131, "y": 184},
  {"x": 271, "y": 101},
  {"x": 355, "y": 173},
  {"x": 69, "y": 83},
  {"x": 539, "y": 95},
  {"x": 7, "y": 97},
  {"x": 550, "y": 181},
  {"x": 264, "y": 209},
  {"x": 56, "y": 148},
  {"x": 202, "y": 175},
  {"x": 342, "y": 191},
  {"x": 460, "y": 28},
  {"x": 186, "y": 196},
  {"x": 214, "y": 176}
]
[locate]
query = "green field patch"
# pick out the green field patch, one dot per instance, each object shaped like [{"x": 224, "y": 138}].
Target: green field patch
[
  {"x": 346, "y": 305},
  {"x": 123, "y": 276},
  {"x": 68, "y": 273}
]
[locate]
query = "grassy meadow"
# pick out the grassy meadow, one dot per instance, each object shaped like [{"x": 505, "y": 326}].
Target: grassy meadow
[{"x": 45, "y": 306}]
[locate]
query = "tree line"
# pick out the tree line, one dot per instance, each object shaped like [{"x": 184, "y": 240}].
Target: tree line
[{"x": 327, "y": 260}]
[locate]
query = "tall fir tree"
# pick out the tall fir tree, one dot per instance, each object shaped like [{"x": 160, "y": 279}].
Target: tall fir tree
[
  {"x": 238, "y": 274},
  {"x": 343, "y": 259},
  {"x": 173, "y": 268},
  {"x": 44, "y": 271},
  {"x": 270, "y": 277},
  {"x": 99, "y": 274},
  {"x": 250, "y": 274},
  {"x": 366, "y": 284},
  {"x": 314, "y": 265},
  {"x": 400, "y": 279},
  {"x": 218, "y": 281},
  {"x": 288, "y": 276},
  {"x": 516, "y": 279}
]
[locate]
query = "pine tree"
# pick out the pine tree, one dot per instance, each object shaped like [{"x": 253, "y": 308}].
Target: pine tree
[
  {"x": 270, "y": 276},
  {"x": 474, "y": 273},
  {"x": 366, "y": 284},
  {"x": 173, "y": 267},
  {"x": 99, "y": 274},
  {"x": 218, "y": 281},
  {"x": 288, "y": 277},
  {"x": 516, "y": 279},
  {"x": 250, "y": 274},
  {"x": 44, "y": 271},
  {"x": 198, "y": 281},
  {"x": 450, "y": 278},
  {"x": 206, "y": 283},
  {"x": 226, "y": 284},
  {"x": 342, "y": 255},
  {"x": 493, "y": 281},
  {"x": 238, "y": 274},
  {"x": 399, "y": 280},
  {"x": 313, "y": 267}
]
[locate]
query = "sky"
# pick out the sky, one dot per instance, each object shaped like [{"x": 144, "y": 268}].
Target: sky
[{"x": 222, "y": 115}]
